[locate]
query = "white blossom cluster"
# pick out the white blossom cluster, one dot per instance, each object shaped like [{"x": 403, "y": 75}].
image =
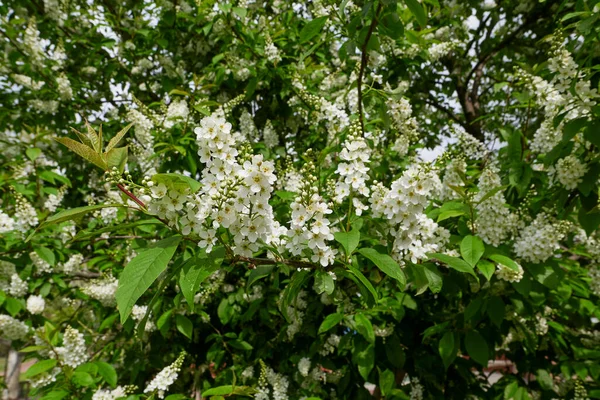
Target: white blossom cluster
[
  {"x": 541, "y": 239},
  {"x": 12, "y": 329},
  {"x": 295, "y": 313},
  {"x": 7, "y": 224},
  {"x": 310, "y": 228},
  {"x": 403, "y": 206},
  {"x": 74, "y": 262},
  {"x": 304, "y": 366},
  {"x": 353, "y": 169},
  {"x": 138, "y": 313},
  {"x": 568, "y": 171},
  {"x": 54, "y": 200},
  {"x": 41, "y": 266},
  {"x": 27, "y": 82},
  {"x": 177, "y": 111},
  {"x": 64, "y": 87},
  {"x": 453, "y": 173},
  {"x": 73, "y": 351},
  {"x": 508, "y": 274},
  {"x": 467, "y": 144},
  {"x": 248, "y": 128},
  {"x": 494, "y": 220},
  {"x": 25, "y": 214},
  {"x": 45, "y": 378},
  {"x": 36, "y": 304},
  {"x": 44, "y": 106},
  {"x": 18, "y": 287},
  {"x": 165, "y": 378},
  {"x": 272, "y": 52},
  {"x": 400, "y": 112},
  {"x": 438, "y": 51},
  {"x": 102, "y": 290},
  {"x": 277, "y": 382},
  {"x": 270, "y": 135},
  {"x": 107, "y": 394}
]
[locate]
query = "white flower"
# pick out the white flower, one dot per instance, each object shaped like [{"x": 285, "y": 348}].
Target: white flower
[
  {"x": 73, "y": 351},
  {"x": 304, "y": 366},
  {"x": 12, "y": 329},
  {"x": 165, "y": 378},
  {"x": 36, "y": 304},
  {"x": 508, "y": 274}
]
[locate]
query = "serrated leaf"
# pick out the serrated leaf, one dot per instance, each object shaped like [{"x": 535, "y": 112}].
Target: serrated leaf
[
  {"x": 94, "y": 137},
  {"x": 117, "y": 138},
  {"x": 418, "y": 11},
  {"x": 184, "y": 325},
  {"x": 364, "y": 327},
  {"x": 507, "y": 262},
  {"x": 82, "y": 378},
  {"x": 142, "y": 271},
  {"x": 330, "y": 321},
  {"x": 487, "y": 268},
  {"x": 477, "y": 347},
  {"x": 362, "y": 279},
  {"x": 33, "y": 153},
  {"x": 447, "y": 348},
  {"x": 84, "y": 151},
  {"x": 117, "y": 157},
  {"x": 349, "y": 240},
  {"x": 290, "y": 293},
  {"x": 39, "y": 368},
  {"x": 107, "y": 372},
  {"x": 74, "y": 213},
  {"x": 386, "y": 264},
  {"x": 177, "y": 182},
  {"x": 471, "y": 249},
  {"x": 261, "y": 271},
  {"x": 195, "y": 271},
  {"x": 434, "y": 277},
  {"x": 495, "y": 310},
  {"x": 454, "y": 263},
  {"x": 312, "y": 28},
  {"x": 324, "y": 282},
  {"x": 240, "y": 345}
]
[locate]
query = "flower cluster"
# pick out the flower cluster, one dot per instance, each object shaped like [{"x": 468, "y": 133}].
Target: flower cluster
[
  {"x": 73, "y": 351},
  {"x": 310, "y": 228},
  {"x": 102, "y": 290},
  {"x": 403, "y": 205},
  {"x": 508, "y": 274},
  {"x": 165, "y": 378},
  {"x": 36, "y": 304},
  {"x": 569, "y": 171},
  {"x": 539, "y": 240},
  {"x": 278, "y": 383},
  {"x": 494, "y": 220},
  {"x": 12, "y": 329},
  {"x": 353, "y": 169}
]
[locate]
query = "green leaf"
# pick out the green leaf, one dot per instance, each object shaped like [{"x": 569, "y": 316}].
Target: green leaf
[
  {"x": 544, "y": 379},
  {"x": 177, "y": 182},
  {"x": 447, "y": 348},
  {"x": 117, "y": 157},
  {"x": 487, "y": 268},
  {"x": 386, "y": 381},
  {"x": 312, "y": 28},
  {"x": 477, "y": 348},
  {"x": 454, "y": 263},
  {"x": 507, "y": 262},
  {"x": 142, "y": 271},
  {"x": 74, "y": 213},
  {"x": 330, "y": 321},
  {"x": 290, "y": 293},
  {"x": 39, "y": 368},
  {"x": 386, "y": 264},
  {"x": 82, "y": 378},
  {"x": 324, "y": 282},
  {"x": 471, "y": 249},
  {"x": 240, "y": 344},
  {"x": 418, "y": 11},
  {"x": 218, "y": 391},
  {"x": 364, "y": 327},
  {"x": 434, "y": 277},
  {"x": 197, "y": 269},
  {"x": 225, "y": 311},
  {"x": 46, "y": 254},
  {"x": 117, "y": 138},
  {"x": 495, "y": 310},
  {"x": 84, "y": 151},
  {"x": 107, "y": 372},
  {"x": 184, "y": 325},
  {"x": 56, "y": 395},
  {"x": 349, "y": 240},
  {"x": 261, "y": 271},
  {"x": 359, "y": 275},
  {"x": 573, "y": 127},
  {"x": 33, "y": 153},
  {"x": 363, "y": 355}
]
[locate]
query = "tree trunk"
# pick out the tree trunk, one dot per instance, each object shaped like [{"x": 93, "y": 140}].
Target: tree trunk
[{"x": 12, "y": 373}]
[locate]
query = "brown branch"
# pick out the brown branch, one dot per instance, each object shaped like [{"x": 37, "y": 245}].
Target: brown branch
[
  {"x": 268, "y": 261},
  {"x": 363, "y": 63},
  {"x": 131, "y": 196}
]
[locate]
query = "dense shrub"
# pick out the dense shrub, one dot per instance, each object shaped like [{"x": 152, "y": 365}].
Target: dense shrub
[{"x": 281, "y": 200}]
